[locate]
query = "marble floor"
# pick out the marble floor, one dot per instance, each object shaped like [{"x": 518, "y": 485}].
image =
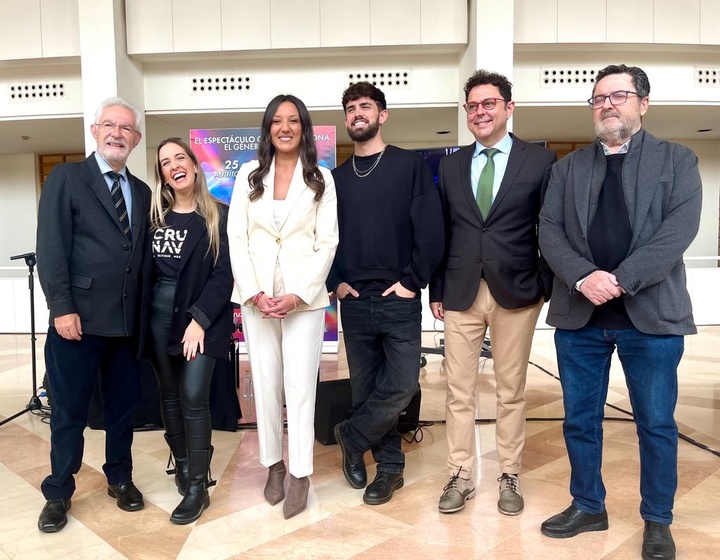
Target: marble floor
[{"x": 337, "y": 524}]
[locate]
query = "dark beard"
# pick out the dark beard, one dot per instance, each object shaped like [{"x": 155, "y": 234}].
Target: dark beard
[{"x": 366, "y": 134}]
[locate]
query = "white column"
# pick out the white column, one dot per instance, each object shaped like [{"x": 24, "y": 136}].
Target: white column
[
  {"x": 490, "y": 46},
  {"x": 106, "y": 69}
]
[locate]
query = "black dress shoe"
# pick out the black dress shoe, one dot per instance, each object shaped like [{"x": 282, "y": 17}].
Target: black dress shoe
[
  {"x": 128, "y": 496},
  {"x": 353, "y": 463},
  {"x": 658, "y": 543},
  {"x": 572, "y": 522},
  {"x": 53, "y": 516},
  {"x": 381, "y": 489}
]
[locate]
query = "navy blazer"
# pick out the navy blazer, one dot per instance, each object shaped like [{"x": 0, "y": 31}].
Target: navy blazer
[
  {"x": 503, "y": 248},
  {"x": 202, "y": 292},
  {"x": 86, "y": 265},
  {"x": 663, "y": 193}
]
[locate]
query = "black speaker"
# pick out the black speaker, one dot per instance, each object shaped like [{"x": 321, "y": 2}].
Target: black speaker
[
  {"x": 410, "y": 417},
  {"x": 333, "y": 404}
]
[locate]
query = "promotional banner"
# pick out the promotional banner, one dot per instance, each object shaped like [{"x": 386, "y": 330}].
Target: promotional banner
[{"x": 221, "y": 153}]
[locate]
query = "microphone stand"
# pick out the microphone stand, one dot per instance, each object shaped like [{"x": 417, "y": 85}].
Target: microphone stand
[{"x": 34, "y": 403}]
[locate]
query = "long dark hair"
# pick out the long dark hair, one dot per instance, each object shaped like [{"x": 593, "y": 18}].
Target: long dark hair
[{"x": 266, "y": 151}]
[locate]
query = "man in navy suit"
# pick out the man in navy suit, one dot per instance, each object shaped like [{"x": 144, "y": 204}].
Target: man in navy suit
[
  {"x": 92, "y": 221},
  {"x": 492, "y": 276}
]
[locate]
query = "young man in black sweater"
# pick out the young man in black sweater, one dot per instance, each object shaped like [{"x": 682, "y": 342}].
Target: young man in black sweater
[{"x": 391, "y": 241}]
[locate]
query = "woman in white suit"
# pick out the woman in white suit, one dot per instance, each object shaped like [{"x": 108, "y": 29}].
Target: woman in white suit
[{"x": 283, "y": 233}]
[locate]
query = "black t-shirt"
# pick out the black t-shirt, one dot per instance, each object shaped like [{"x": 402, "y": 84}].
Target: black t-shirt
[{"x": 168, "y": 246}]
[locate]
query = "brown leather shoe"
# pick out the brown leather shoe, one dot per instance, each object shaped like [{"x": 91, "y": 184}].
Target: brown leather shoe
[
  {"x": 274, "y": 487},
  {"x": 297, "y": 496}
]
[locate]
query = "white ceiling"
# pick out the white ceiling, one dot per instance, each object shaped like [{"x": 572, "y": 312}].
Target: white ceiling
[{"x": 406, "y": 126}]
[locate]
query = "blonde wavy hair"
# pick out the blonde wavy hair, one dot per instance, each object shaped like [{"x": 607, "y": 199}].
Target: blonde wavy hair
[{"x": 163, "y": 198}]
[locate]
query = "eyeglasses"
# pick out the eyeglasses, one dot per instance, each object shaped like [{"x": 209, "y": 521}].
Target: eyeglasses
[
  {"x": 616, "y": 98},
  {"x": 487, "y": 104},
  {"x": 108, "y": 126}
]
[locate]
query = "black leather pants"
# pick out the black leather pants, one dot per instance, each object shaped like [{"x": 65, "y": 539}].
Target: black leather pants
[{"x": 184, "y": 385}]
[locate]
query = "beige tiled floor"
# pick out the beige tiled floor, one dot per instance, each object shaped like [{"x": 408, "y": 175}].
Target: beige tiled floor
[{"x": 336, "y": 524}]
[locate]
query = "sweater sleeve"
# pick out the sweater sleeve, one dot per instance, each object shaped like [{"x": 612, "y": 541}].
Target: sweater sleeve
[{"x": 428, "y": 230}]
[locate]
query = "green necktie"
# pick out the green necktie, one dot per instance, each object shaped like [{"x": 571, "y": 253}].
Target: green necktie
[{"x": 484, "y": 195}]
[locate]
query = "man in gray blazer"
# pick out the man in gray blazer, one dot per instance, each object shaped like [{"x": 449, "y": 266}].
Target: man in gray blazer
[
  {"x": 493, "y": 276},
  {"x": 617, "y": 218},
  {"x": 92, "y": 223}
]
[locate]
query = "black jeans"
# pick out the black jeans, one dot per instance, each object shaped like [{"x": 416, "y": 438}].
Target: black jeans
[
  {"x": 382, "y": 341},
  {"x": 184, "y": 385}
]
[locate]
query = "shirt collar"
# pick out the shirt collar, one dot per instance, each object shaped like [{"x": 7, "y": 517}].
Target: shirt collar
[
  {"x": 504, "y": 145},
  {"x": 622, "y": 150},
  {"x": 105, "y": 166}
]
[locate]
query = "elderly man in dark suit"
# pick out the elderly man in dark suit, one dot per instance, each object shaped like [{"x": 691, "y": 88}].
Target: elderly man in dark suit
[
  {"x": 92, "y": 223},
  {"x": 492, "y": 276},
  {"x": 618, "y": 216}
]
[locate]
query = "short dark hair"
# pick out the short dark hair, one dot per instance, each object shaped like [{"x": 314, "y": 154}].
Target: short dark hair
[
  {"x": 364, "y": 89},
  {"x": 485, "y": 78},
  {"x": 638, "y": 75}
]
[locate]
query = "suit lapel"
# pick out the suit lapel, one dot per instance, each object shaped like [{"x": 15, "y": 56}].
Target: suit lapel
[
  {"x": 265, "y": 202},
  {"x": 297, "y": 188},
  {"x": 194, "y": 235},
  {"x": 516, "y": 159},
  {"x": 587, "y": 175},
  {"x": 464, "y": 163},
  {"x": 647, "y": 160},
  {"x": 138, "y": 213},
  {"x": 99, "y": 186}
]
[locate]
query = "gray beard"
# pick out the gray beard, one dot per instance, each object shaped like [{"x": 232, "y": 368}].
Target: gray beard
[{"x": 618, "y": 135}]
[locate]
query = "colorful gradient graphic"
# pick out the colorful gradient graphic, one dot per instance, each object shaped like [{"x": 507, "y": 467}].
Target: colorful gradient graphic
[{"x": 221, "y": 152}]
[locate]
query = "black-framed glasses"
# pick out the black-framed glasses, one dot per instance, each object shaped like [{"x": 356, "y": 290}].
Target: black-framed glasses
[
  {"x": 616, "y": 98},
  {"x": 487, "y": 104},
  {"x": 108, "y": 126}
]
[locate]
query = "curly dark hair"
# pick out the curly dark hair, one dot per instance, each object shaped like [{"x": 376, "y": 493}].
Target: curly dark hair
[
  {"x": 364, "y": 89},
  {"x": 484, "y": 78}
]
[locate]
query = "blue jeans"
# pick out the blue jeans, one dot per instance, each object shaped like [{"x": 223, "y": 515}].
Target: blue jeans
[
  {"x": 650, "y": 366},
  {"x": 382, "y": 341}
]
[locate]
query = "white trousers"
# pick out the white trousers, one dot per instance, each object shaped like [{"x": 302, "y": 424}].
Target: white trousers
[{"x": 285, "y": 353}]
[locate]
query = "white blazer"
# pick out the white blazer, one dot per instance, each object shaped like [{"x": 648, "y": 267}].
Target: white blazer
[{"x": 304, "y": 244}]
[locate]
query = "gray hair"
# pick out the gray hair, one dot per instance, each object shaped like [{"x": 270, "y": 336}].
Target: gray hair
[{"x": 119, "y": 102}]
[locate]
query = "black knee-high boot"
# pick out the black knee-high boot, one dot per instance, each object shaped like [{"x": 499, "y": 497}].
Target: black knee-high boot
[
  {"x": 178, "y": 457},
  {"x": 196, "y": 498}
]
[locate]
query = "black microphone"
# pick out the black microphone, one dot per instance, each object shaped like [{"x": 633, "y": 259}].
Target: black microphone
[{"x": 29, "y": 258}]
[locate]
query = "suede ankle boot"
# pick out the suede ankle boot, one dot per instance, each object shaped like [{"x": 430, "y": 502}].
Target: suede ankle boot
[
  {"x": 297, "y": 496},
  {"x": 196, "y": 498},
  {"x": 274, "y": 487}
]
